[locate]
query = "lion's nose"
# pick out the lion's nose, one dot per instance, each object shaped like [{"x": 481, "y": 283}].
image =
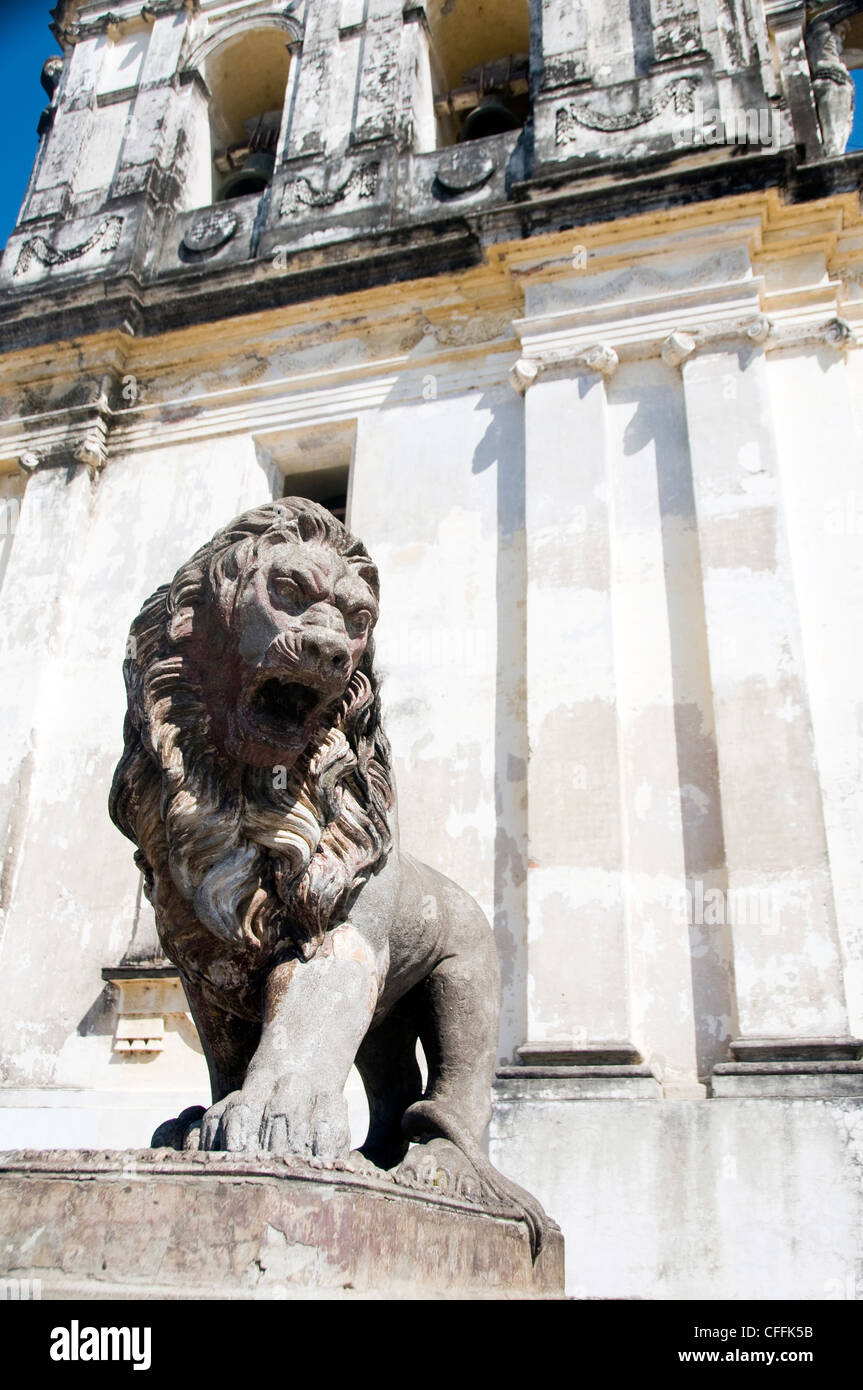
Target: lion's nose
[{"x": 327, "y": 653}]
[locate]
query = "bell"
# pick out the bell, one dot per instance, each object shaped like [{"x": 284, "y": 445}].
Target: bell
[
  {"x": 253, "y": 177},
  {"x": 491, "y": 117}
]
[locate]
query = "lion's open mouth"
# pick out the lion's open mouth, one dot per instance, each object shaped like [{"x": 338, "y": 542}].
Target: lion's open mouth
[{"x": 279, "y": 704}]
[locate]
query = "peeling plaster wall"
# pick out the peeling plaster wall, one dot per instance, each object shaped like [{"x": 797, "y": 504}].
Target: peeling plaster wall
[{"x": 731, "y": 1199}]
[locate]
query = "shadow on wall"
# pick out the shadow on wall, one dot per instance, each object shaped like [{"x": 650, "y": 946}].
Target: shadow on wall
[
  {"x": 658, "y": 422},
  {"x": 502, "y": 447}
]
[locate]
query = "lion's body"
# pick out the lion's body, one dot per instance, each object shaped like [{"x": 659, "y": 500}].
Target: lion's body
[{"x": 256, "y": 784}]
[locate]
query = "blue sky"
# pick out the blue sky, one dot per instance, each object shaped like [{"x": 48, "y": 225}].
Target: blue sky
[{"x": 25, "y": 43}]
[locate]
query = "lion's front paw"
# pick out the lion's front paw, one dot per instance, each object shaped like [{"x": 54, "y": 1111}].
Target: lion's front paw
[
  {"x": 439, "y": 1164},
  {"x": 233, "y": 1123},
  {"x": 288, "y": 1118},
  {"x": 312, "y": 1124}
]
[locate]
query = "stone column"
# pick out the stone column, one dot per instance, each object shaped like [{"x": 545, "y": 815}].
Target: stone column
[
  {"x": 309, "y": 113},
  {"x": 67, "y": 140},
  {"x": 676, "y": 28},
  {"x": 144, "y": 141},
  {"x": 815, "y": 394},
  {"x": 562, "y": 34},
  {"x": 779, "y": 905},
  {"x": 578, "y": 988},
  {"x": 669, "y": 823},
  {"x": 786, "y": 26},
  {"x": 377, "y": 76}
]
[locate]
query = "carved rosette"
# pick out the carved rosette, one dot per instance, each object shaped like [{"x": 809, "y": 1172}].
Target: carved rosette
[{"x": 210, "y": 230}]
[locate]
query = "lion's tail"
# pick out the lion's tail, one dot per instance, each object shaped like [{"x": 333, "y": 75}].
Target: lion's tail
[{"x": 427, "y": 1119}]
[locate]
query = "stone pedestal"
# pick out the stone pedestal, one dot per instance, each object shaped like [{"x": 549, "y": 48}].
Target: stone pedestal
[{"x": 145, "y": 1224}]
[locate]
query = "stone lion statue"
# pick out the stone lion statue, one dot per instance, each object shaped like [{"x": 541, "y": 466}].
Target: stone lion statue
[{"x": 256, "y": 783}]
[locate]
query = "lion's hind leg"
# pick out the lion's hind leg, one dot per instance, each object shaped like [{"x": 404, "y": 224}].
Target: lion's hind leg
[
  {"x": 459, "y": 1032},
  {"x": 387, "y": 1063}
]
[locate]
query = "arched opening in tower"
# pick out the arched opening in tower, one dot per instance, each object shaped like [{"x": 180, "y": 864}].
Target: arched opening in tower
[
  {"x": 246, "y": 77},
  {"x": 480, "y": 59}
]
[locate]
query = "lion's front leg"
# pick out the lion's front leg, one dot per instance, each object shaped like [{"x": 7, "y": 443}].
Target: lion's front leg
[{"x": 316, "y": 1014}]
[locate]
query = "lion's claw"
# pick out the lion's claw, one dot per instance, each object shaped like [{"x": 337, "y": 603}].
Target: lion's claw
[
  {"x": 288, "y": 1119},
  {"x": 439, "y": 1165}
]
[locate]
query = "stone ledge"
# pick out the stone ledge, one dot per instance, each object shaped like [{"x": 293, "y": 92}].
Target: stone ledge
[
  {"x": 576, "y": 1083},
  {"x": 787, "y": 1079},
  {"x": 155, "y": 1224},
  {"x": 796, "y": 1049}
]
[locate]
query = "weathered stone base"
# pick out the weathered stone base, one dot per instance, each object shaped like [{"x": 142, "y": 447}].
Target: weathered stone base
[{"x": 156, "y": 1224}]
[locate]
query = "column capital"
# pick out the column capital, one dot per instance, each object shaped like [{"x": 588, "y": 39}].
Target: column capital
[
  {"x": 681, "y": 344},
  {"x": 758, "y": 329},
  {"x": 600, "y": 358}
]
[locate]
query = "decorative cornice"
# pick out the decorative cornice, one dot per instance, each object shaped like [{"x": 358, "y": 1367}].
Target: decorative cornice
[
  {"x": 600, "y": 359},
  {"x": 78, "y": 434},
  {"x": 114, "y": 24}
]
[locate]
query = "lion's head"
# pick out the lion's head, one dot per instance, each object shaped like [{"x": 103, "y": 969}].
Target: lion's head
[{"x": 256, "y": 776}]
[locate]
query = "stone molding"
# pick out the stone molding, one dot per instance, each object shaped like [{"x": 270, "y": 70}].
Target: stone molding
[
  {"x": 803, "y": 1067},
  {"x": 144, "y": 998},
  {"x": 115, "y": 24},
  {"x": 78, "y": 434},
  {"x": 578, "y": 1071}
]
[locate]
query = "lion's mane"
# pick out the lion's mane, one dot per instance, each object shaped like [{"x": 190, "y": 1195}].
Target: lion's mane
[{"x": 262, "y": 861}]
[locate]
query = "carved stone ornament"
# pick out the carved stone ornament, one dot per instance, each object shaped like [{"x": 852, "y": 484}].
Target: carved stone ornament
[
  {"x": 759, "y": 330},
  {"x": 91, "y": 28},
  {"x": 155, "y": 9},
  {"x": 210, "y": 230},
  {"x": 301, "y": 193},
  {"x": 833, "y": 86},
  {"x": 600, "y": 358},
  {"x": 464, "y": 169},
  {"x": 677, "y": 348},
  {"x": 113, "y": 23},
  {"x": 257, "y": 785},
  {"x": 572, "y": 118},
  {"x": 37, "y": 249}
]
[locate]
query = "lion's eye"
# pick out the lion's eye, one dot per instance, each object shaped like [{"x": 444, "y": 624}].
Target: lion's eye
[
  {"x": 360, "y": 620},
  {"x": 285, "y": 586}
]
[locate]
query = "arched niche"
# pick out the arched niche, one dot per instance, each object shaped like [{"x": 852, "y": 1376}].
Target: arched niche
[
  {"x": 479, "y": 53},
  {"x": 247, "y": 76},
  {"x": 245, "y": 68}
]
